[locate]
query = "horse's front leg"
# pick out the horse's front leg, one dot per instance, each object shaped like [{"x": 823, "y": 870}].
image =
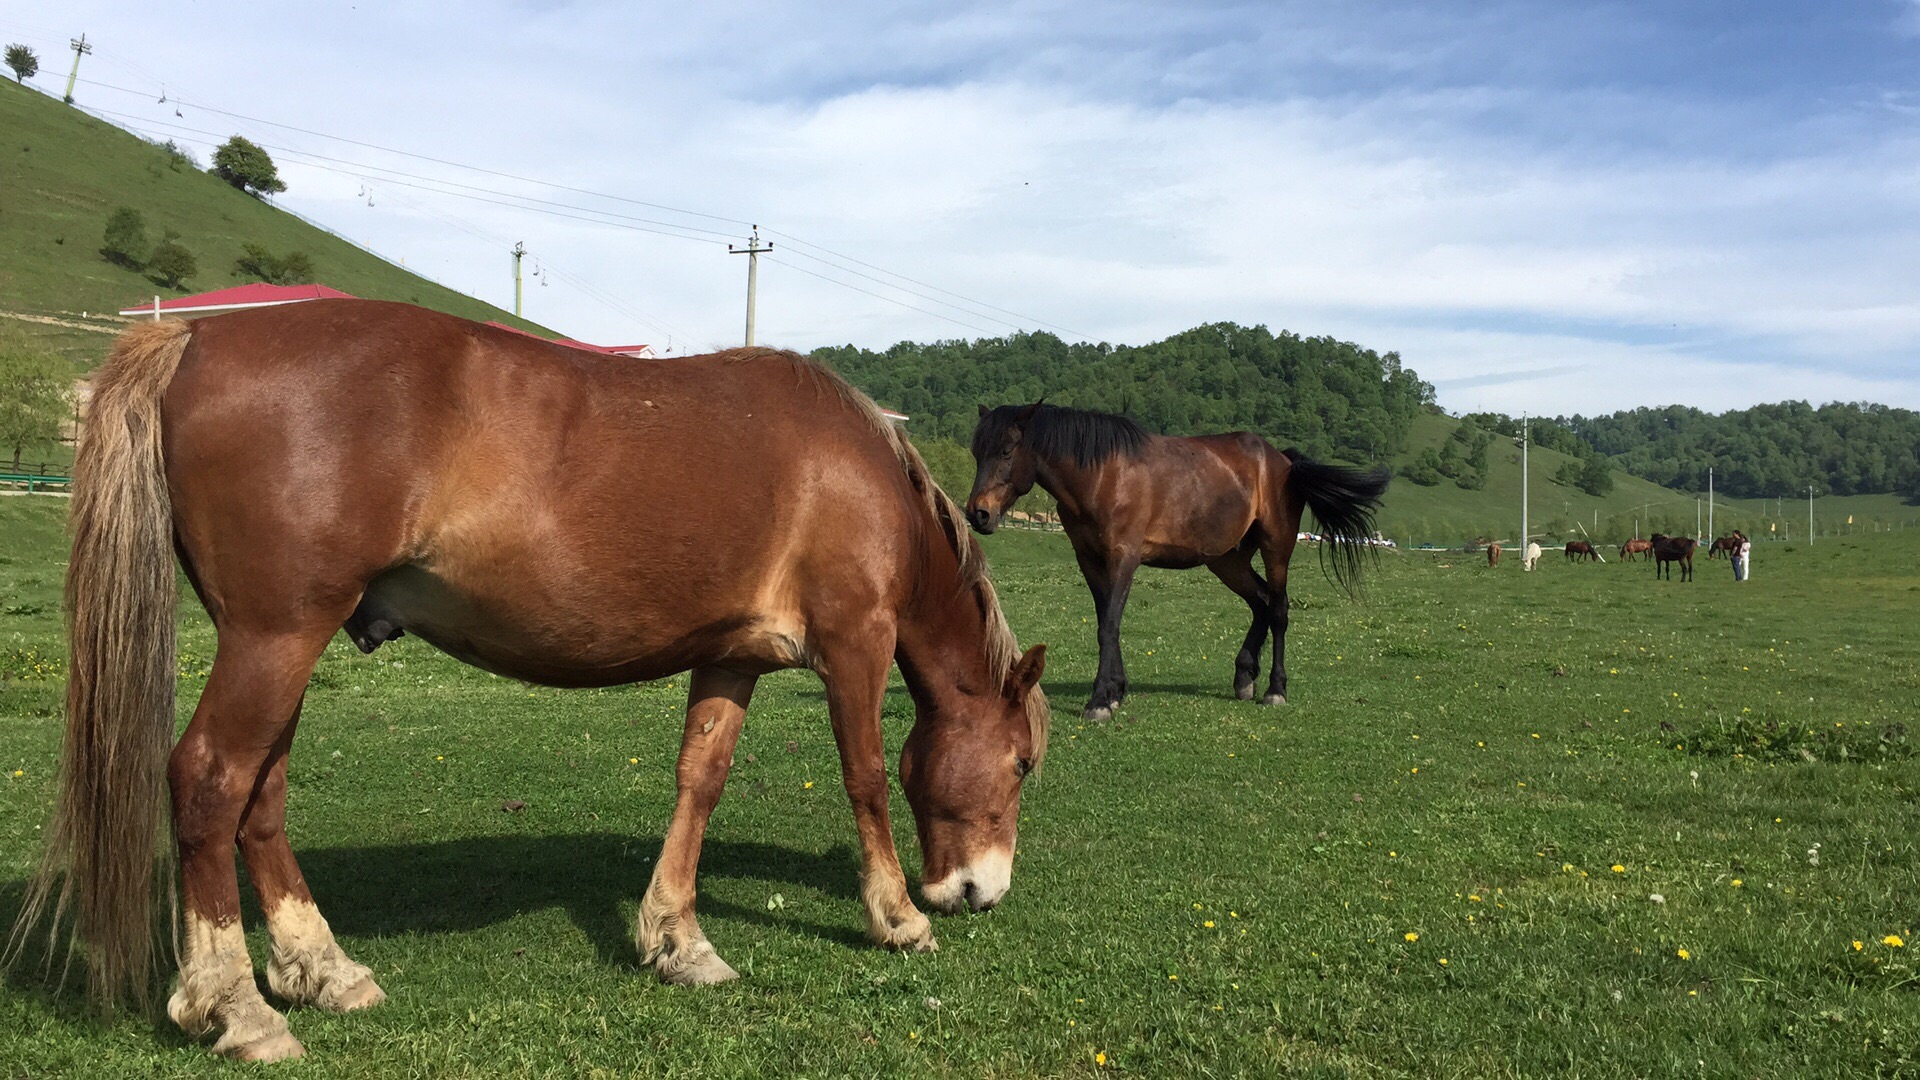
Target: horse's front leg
[
  {"x": 854, "y": 669},
  {"x": 1110, "y": 683},
  {"x": 668, "y": 935}
]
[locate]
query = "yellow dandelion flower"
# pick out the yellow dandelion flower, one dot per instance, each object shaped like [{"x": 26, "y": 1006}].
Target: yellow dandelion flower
[
  {"x": 1618, "y": 869},
  {"x": 1683, "y": 954},
  {"x": 1411, "y": 936},
  {"x": 633, "y": 761},
  {"x": 1173, "y": 978},
  {"x": 439, "y": 757},
  {"x": 1893, "y": 941},
  {"x": 1737, "y": 883},
  {"x": 1858, "y": 945},
  {"x": 1208, "y": 924},
  {"x": 1443, "y": 961},
  {"x": 808, "y": 784},
  {"x": 913, "y": 1035},
  {"x": 1100, "y": 1058}
]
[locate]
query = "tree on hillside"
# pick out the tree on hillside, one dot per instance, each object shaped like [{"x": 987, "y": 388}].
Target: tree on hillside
[
  {"x": 23, "y": 61},
  {"x": 125, "y": 239},
  {"x": 171, "y": 263},
  {"x": 1596, "y": 477},
  {"x": 293, "y": 268},
  {"x": 36, "y": 397},
  {"x": 245, "y": 165}
]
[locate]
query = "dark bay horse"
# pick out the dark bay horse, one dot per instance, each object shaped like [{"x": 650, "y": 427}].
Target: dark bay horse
[
  {"x": 1581, "y": 549},
  {"x": 1129, "y": 498},
  {"x": 1631, "y": 550},
  {"x": 543, "y": 513},
  {"x": 1673, "y": 549},
  {"x": 1728, "y": 545}
]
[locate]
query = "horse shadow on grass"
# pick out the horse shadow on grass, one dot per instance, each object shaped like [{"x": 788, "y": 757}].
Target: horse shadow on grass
[{"x": 456, "y": 886}]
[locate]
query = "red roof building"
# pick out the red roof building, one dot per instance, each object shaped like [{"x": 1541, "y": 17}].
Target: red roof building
[{"x": 258, "y": 294}]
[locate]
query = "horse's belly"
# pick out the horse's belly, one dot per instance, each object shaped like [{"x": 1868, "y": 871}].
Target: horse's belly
[{"x": 558, "y": 641}]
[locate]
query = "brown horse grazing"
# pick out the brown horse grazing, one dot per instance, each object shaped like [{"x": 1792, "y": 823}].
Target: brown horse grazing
[
  {"x": 1630, "y": 550},
  {"x": 542, "y": 513},
  {"x": 1581, "y": 549},
  {"x": 1493, "y": 555},
  {"x": 1729, "y": 545},
  {"x": 1128, "y": 498},
  {"x": 1672, "y": 549}
]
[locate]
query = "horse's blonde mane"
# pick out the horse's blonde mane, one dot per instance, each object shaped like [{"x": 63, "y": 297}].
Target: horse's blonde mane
[{"x": 1002, "y": 648}]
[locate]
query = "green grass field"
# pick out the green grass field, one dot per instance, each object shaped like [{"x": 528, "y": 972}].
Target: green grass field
[{"x": 1572, "y": 823}]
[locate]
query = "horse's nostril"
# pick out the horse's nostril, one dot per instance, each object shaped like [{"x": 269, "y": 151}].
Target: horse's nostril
[{"x": 973, "y": 900}]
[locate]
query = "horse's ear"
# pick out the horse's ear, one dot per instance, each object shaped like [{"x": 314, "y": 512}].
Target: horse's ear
[
  {"x": 1026, "y": 673},
  {"x": 1026, "y": 414},
  {"x": 984, "y": 411}
]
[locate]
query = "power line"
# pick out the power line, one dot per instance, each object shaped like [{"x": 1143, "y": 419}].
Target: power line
[
  {"x": 888, "y": 299},
  {"x": 1029, "y": 318},
  {"x": 602, "y": 216}
]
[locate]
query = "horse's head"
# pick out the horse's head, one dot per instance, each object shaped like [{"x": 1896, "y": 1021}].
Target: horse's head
[
  {"x": 962, "y": 769},
  {"x": 1004, "y": 465}
]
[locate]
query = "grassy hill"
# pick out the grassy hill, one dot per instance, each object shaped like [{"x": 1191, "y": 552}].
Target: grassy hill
[
  {"x": 1446, "y": 514},
  {"x": 64, "y": 172}
]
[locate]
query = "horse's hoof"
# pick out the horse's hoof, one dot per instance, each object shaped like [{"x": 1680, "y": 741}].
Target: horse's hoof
[
  {"x": 1274, "y": 699},
  {"x": 704, "y": 970},
  {"x": 280, "y": 1046},
  {"x": 1244, "y": 693},
  {"x": 1097, "y": 713},
  {"x": 912, "y": 935},
  {"x": 364, "y": 994}
]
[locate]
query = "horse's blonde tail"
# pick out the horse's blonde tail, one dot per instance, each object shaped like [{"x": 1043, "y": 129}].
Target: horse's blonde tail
[{"x": 105, "y": 859}]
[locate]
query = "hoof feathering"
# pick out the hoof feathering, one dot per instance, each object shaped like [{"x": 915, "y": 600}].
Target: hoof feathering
[
  {"x": 364, "y": 994},
  {"x": 913, "y": 935},
  {"x": 280, "y": 1046},
  {"x": 703, "y": 968}
]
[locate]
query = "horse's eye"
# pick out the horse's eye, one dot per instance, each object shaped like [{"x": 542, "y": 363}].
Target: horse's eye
[{"x": 1025, "y": 765}]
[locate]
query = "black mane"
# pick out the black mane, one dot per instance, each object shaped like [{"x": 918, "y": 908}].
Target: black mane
[{"x": 1055, "y": 432}]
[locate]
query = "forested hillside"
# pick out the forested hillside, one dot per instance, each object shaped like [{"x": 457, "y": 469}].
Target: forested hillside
[
  {"x": 1841, "y": 448},
  {"x": 1332, "y": 399}
]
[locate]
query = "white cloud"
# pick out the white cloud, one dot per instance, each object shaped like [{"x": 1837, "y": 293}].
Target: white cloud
[{"x": 1126, "y": 177}]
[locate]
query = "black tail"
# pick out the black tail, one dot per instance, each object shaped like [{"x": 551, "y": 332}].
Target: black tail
[{"x": 1343, "y": 501}]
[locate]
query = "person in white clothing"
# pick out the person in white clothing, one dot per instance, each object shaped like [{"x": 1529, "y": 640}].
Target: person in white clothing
[{"x": 1742, "y": 557}]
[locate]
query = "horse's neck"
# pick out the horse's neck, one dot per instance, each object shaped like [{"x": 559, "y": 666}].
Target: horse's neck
[
  {"x": 1071, "y": 484},
  {"x": 941, "y": 641}
]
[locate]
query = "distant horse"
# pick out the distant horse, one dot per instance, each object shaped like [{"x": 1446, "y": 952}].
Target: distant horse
[
  {"x": 1630, "y": 551},
  {"x": 1128, "y": 498},
  {"x": 1672, "y": 549},
  {"x": 536, "y": 511},
  {"x": 1493, "y": 554},
  {"x": 1728, "y": 544},
  {"x": 1577, "y": 549}
]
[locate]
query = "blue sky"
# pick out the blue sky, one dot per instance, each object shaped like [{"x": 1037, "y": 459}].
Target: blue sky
[{"x": 1544, "y": 207}]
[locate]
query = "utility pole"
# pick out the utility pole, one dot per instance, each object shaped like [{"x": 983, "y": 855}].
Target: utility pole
[
  {"x": 752, "y": 252},
  {"x": 1709, "y": 500},
  {"x": 1526, "y": 432},
  {"x": 1809, "y": 514},
  {"x": 80, "y": 48},
  {"x": 519, "y": 252}
]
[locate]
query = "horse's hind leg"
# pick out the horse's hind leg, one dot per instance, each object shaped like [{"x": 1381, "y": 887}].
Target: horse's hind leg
[
  {"x": 1235, "y": 571},
  {"x": 307, "y": 965},
  {"x": 220, "y": 766},
  {"x": 667, "y": 934}
]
